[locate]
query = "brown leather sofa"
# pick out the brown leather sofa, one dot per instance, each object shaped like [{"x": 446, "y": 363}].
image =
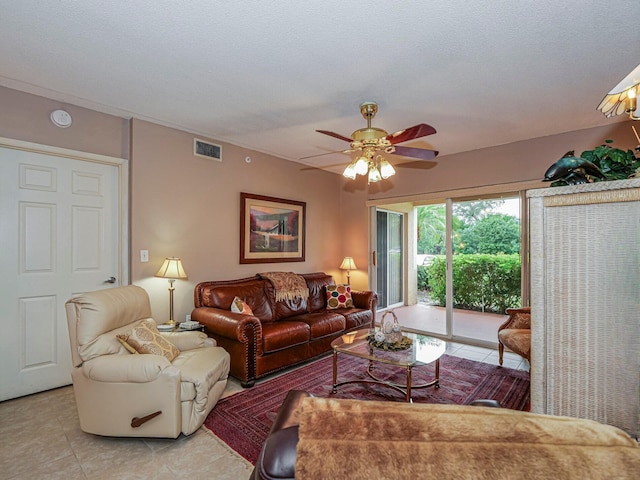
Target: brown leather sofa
[{"x": 279, "y": 333}]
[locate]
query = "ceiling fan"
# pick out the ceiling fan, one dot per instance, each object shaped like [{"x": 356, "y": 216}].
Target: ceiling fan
[{"x": 372, "y": 142}]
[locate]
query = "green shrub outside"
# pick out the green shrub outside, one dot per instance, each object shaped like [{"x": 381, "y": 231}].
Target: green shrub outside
[
  {"x": 481, "y": 282},
  {"x": 423, "y": 277}
]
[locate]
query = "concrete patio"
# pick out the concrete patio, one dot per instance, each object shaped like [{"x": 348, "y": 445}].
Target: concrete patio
[{"x": 478, "y": 328}]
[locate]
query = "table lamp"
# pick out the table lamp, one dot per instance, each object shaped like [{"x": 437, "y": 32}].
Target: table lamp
[
  {"x": 171, "y": 269},
  {"x": 348, "y": 264}
]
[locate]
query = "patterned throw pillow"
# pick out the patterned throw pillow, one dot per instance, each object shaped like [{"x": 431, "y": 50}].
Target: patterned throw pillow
[
  {"x": 145, "y": 338},
  {"x": 239, "y": 306},
  {"x": 339, "y": 296}
]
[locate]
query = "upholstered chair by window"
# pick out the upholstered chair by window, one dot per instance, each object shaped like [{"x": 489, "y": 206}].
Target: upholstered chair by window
[{"x": 515, "y": 333}]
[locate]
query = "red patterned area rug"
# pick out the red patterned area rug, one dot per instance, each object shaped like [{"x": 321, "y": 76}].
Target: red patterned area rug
[{"x": 243, "y": 420}]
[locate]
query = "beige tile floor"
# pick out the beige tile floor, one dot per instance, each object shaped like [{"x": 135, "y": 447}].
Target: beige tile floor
[{"x": 40, "y": 438}]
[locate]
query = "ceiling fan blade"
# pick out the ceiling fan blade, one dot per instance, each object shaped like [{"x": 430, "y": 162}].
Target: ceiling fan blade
[
  {"x": 421, "y": 153},
  {"x": 417, "y": 165},
  {"x": 336, "y": 135},
  {"x": 417, "y": 131},
  {"x": 326, "y": 153}
]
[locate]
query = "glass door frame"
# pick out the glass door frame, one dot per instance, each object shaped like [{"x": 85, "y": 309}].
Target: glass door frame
[
  {"x": 524, "y": 258},
  {"x": 373, "y": 253},
  {"x": 391, "y": 265}
]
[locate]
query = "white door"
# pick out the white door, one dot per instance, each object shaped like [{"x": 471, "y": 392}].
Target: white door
[{"x": 61, "y": 230}]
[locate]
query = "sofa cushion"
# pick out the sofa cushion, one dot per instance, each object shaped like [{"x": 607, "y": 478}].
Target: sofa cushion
[
  {"x": 324, "y": 323},
  {"x": 284, "y": 334},
  {"x": 317, "y": 294},
  {"x": 251, "y": 290},
  {"x": 96, "y": 319},
  {"x": 355, "y": 317},
  {"x": 518, "y": 339},
  {"x": 339, "y": 296},
  {"x": 288, "y": 307}
]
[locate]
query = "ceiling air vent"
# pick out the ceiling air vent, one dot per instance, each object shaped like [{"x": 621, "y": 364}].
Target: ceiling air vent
[{"x": 207, "y": 150}]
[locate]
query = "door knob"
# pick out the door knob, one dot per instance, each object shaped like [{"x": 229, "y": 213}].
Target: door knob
[{"x": 110, "y": 280}]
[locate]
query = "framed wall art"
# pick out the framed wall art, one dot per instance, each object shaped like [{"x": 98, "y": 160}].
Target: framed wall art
[{"x": 272, "y": 230}]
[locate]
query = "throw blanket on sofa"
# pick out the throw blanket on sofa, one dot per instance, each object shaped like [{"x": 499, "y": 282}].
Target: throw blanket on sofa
[{"x": 288, "y": 285}]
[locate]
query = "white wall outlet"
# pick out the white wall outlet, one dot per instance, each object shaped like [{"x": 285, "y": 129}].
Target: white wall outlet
[
  {"x": 144, "y": 255},
  {"x": 188, "y": 318}
]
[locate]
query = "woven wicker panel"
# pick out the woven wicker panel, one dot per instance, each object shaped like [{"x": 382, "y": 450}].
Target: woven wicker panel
[{"x": 585, "y": 266}]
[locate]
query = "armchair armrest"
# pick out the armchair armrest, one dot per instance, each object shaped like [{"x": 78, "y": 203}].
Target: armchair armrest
[
  {"x": 189, "y": 340},
  {"x": 518, "y": 318},
  {"x": 133, "y": 368}
]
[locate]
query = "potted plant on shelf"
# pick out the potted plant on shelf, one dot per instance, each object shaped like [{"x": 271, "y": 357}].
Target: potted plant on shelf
[{"x": 600, "y": 164}]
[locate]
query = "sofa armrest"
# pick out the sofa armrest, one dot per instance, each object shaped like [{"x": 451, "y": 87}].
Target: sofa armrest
[
  {"x": 365, "y": 299},
  {"x": 226, "y": 323},
  {"x": 131, "y": 368},
  {"x": 278, "y": 454}
]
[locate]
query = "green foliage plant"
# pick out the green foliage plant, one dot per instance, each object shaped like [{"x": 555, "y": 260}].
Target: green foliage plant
[
  {"x": 481, "y": 282},
  {"x": 614, "y": 163}
]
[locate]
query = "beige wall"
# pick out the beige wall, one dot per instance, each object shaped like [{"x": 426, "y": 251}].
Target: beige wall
[
  {"x": 187, "y": 206},
  {"x": 27, "y": 117},
  {"x": 514, "y": 162}
]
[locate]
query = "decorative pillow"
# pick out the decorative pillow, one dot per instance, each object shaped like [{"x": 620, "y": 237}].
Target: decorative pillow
[
  {"x": 240, "y": 306},
  {"x": 145, "y": 338},
  {"x": 339, "y": 296},
  {"x": 128, "y": 348}
]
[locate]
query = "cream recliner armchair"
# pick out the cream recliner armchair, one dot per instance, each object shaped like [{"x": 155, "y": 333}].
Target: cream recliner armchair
[{"x": 119, "y": 393}]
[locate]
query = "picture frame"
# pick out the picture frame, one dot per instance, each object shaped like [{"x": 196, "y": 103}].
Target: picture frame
[{"x": 272, "y": 230}]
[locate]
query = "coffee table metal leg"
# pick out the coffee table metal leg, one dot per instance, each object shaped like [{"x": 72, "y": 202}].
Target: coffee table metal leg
[
  {"x": 408, "y": 397},
  {"x": 437, "y": 381}
]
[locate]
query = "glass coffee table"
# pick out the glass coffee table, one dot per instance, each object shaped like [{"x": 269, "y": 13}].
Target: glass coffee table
[{"x": 423, "y": 351}]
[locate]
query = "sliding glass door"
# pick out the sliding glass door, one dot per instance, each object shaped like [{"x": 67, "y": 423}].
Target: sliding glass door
[
  {"x": 389, "y": 258},
  {"x": 485, "y": 265},
  {"x": 468, "y": 266}
]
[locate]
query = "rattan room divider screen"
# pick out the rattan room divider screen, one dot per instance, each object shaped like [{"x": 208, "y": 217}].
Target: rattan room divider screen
[{"x": 585, "y": 291}]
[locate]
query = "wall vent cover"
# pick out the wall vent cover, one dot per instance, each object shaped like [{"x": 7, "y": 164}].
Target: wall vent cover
[{"x": 207, "y": 149}]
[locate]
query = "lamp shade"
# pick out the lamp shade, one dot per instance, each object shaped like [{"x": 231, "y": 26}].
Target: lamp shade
[
  {"x": 622, "y": 98},
  {"x": 348, "y": 264},
  {"x": 171, "y": 268}
]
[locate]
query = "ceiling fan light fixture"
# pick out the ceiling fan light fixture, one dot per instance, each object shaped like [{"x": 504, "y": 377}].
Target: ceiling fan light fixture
[
  {"x": 361, "y": 166},
  {"x": 350, "y": 171},
  {"x": 374, "y": 174},
  {"x": 372, "y": 141},
  {"x": 386, "y": 170}
]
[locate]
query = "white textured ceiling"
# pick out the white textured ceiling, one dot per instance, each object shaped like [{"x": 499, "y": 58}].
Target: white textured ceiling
[{"x": 266, "y": 74}]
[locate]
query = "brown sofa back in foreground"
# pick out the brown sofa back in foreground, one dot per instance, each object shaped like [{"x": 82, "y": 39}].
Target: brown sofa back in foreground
[
  {"x": 279, "y": 333},
  {"x": 356, "y": 439}
]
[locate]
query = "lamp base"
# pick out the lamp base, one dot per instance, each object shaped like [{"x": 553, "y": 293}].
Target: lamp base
[{"x": 173, "y": 323}]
